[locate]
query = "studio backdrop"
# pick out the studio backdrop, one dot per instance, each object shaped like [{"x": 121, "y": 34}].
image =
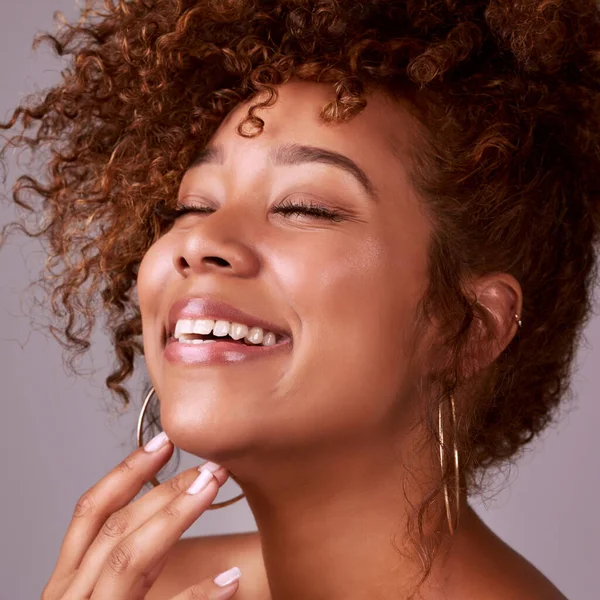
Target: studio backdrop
[{"x": 61, "y": 434}]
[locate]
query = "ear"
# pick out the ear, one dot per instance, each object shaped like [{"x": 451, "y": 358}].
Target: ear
[{"x": 501, "y": 298}]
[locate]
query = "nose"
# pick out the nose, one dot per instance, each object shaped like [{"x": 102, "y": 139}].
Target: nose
[{"x": 218, "y": 243}]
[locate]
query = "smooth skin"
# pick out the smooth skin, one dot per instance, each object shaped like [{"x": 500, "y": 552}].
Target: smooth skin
[
  {"x": 320, "y": 437},
  {"x": 115, "y": 549}
]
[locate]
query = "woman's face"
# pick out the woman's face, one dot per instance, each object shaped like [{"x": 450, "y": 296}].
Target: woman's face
[{"x": 346, "y": 290}]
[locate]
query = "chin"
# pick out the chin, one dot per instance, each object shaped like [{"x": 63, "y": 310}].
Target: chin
[{"x": 204, "y": 427}]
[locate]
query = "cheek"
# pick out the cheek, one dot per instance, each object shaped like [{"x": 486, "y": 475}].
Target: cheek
[
  {"x": 356, "y": 305},
  {"x": 152, "y": 276}
]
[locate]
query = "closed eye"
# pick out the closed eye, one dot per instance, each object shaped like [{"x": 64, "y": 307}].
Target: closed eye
[
  {"x": 286, "y": 207},
  {"x": 171, "y": 214},
  {"x": 308, "y": 208}
]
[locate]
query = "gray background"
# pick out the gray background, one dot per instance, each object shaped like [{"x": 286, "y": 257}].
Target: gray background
[{"x": 61, "y": 434}]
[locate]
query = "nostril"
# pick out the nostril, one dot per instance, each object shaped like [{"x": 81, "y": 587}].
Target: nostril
[
  {"x": 221, "y": 262},
  {"x": 182, "y": 263}
]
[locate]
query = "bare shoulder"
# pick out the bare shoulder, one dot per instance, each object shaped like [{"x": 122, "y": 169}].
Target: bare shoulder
[
  {"x": 485, "y": 567},
  {"x": 488, "y": 567},
  {"x": 197, "y": 558},
  {"x": 519, "y": 579}
]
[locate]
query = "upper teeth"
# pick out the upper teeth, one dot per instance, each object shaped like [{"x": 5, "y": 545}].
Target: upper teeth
[{"x": 237, "y": 331}]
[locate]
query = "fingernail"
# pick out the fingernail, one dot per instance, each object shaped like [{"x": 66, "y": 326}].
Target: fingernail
[
  {"x": 228, "y": 577},
  {"x": 200, "y": 482},
  {"x": 209, "y": 466},
  {"x": 157, "y": 442}
]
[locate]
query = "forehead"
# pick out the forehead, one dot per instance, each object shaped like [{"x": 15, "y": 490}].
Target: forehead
[{"x": 377, "y": 139}]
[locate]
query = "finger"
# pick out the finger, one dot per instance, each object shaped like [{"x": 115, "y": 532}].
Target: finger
[
  {"x": 147, "y": 582},
  {"x": 223, "y": 586},
  {"x": 131, "y": 561},
  {"x": 119, "y": 525},
  {"x": 112, "y": 492}
]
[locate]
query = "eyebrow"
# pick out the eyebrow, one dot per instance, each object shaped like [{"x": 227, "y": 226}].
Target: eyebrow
[{"x": 296, "y": 154}]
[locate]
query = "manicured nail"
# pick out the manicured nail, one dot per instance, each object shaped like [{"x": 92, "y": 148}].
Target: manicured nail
[
  {"x": 157, "y": 442},
  {"x": 200, "y": 482},
  {"x": 228, "y": 577},
  {"x": 209, "y": 466}
]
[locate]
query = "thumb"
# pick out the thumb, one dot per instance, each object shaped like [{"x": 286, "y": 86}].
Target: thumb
[{"x": 223, "y": 586}]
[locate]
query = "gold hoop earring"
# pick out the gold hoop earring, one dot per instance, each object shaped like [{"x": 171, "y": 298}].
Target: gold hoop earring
[
  {"x": 155, "y": 481},
  {"x": 452, "y": 523}
]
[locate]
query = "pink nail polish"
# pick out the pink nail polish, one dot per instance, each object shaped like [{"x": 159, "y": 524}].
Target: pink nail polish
[
  {"x": 200, "y": 482},
  {"x": 209, "y": 466},
  {"x": 228, "y": 577},
  {"x": 157, "y": 442}
]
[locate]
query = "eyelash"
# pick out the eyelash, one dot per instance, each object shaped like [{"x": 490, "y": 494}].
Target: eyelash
[{"x": 285, "y": 207}]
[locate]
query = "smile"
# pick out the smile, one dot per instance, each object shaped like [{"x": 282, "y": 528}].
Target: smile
[
  {"x": 208, "y": 349},
  {"x": 199, "y": 331}
]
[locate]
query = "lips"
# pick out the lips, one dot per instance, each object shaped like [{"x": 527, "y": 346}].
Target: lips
[{"x": 197, "y": 307}]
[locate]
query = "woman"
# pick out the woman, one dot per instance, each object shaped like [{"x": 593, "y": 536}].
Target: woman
[{"x": 355, "y": 243}]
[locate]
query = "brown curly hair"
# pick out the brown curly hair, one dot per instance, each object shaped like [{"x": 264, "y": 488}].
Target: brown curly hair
[{"x": 507, "y": 159}]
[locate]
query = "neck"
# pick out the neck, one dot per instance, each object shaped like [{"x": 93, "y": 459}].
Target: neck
[{"x": 334, "y": 527}]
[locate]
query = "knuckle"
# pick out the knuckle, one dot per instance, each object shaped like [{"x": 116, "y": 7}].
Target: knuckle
[
  {"x": 126, "y": 465},
  {"x": 170, "y": 511},
  {"x": 197, "y": 592},
  {"x": 84, "y": 506},
  {"x": 120, "y": 560},
  {"x": 176, "y": 485},
  {"x": 116, "y": 525}
]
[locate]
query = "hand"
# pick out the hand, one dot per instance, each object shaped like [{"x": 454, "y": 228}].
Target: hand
[{"x": 114, "y": 549}]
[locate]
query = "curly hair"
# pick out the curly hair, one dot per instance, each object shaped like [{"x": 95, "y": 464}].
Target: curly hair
[{"x": 506, "y": 159}]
